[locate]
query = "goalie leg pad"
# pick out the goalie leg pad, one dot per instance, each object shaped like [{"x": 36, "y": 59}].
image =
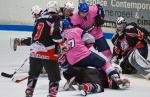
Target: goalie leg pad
[{"x": 141, "y": 64}]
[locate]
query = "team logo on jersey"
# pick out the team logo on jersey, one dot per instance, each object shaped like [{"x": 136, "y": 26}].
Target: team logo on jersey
[{"x": 124, "y": 44}]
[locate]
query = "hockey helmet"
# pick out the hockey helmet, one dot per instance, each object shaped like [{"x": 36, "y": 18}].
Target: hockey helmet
[
  {"x": 83, "y": 7},
  {"x": 120, "y": 20},
  {"x": 52, "y": 6},
  {"x": 66, "y": 24},
  {"x": 69, "y": 5},
  {"x": 36, "y": 10}
]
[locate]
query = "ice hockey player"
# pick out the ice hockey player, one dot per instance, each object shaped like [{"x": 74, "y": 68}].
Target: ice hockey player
[
  {"x": 128, "y": 38},
  {"x": 90, "y": 19},
  {"x": 36, "y": 13},
  {"x": 65, "y": 13},
  {"x": 86, "y": 78},
  {"x": 45, "y": 34},
  {"x": 67, "y": 10},
  {"x": 77, "y": 54}
]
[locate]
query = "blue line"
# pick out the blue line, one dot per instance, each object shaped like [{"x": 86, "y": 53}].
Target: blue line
[
  {"x": 108, "y": 35},
  {"x": 20, "y": 28},
  {"x": 16, "y": 27}
]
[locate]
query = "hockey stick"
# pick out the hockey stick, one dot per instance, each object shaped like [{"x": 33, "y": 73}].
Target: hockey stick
[
  {"x": 20, "y": 80},
  {"x": 69, "y": 83},
  {"x": 11, "y": 75}
]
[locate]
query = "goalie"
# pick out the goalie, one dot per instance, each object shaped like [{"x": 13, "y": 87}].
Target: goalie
[{"x": 130, "y": 43}]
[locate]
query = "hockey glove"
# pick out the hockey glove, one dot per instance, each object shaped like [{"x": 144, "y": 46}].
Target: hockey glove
[{"x": 99, "y": 21}]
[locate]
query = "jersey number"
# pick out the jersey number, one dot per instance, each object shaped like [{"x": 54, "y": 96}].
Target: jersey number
[
  {"x": 71, "y": 43},
  {"x": 39, "y": 31}
]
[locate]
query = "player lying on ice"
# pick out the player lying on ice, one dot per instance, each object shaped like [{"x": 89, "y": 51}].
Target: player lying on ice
[{"x": 75, "y": 54}]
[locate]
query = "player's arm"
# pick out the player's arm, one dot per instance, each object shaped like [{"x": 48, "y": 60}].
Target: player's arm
[
  {"x": 88, "y": 38},
  {"x": 146, "y": 35},
  {"x": 57, "y": 32},
  {"x": 117, "y": 55},
  {"x": 114, "y": 38},
  {"x": 135, "y": 33},
  {"x": 99, "y": 19}
]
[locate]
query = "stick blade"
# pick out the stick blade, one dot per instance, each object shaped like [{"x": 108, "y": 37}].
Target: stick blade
[
  {"x": 6, "y": 75},
  {"x": 20, "y": 80}
]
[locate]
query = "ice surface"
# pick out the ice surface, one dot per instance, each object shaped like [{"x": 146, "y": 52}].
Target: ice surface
[{"x": 11, "y": 60}]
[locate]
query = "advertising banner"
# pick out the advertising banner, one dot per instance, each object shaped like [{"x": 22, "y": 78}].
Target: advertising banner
[{"x": 132, "y": 10}]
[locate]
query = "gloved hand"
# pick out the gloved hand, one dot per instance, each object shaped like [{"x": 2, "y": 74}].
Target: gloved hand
[
  {"x": 115, "y": 64},
  {"x": 61, "y": 58},
  {"x": 63, "y": 48},
  {"x": 99, "y": 21},
  {"x": 114, "y": 60},
  {"x": 117, "y": 67}
]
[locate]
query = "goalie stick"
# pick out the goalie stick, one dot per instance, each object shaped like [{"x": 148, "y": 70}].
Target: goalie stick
[{"x": 11, "y": 75}]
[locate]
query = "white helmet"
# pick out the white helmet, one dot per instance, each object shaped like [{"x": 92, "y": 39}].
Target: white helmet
[
  {"x": 120, "y": 20},
  {"x": 36, "y": 9},
  {"x": 120, "y": 25},
  {"x": 69, "y": 5},
  {"x": 52, "y": 6}
]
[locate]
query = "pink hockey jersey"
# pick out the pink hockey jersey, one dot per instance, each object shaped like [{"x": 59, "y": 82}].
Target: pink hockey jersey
[
  {"x": 76, "y": 47},
  {"x": 76, "y": 19}
]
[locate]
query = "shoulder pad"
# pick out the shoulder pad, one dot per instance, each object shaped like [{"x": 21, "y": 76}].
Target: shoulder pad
[{"x": 129, "y": 26}]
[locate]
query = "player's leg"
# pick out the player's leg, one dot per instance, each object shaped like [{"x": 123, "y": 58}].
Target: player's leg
[
  {"x": 144, "y": 51},
  {"x": 89, "y": 81},
  {"x": 111, "y": 72},
  {"x": 92, "y": 60},
  {"x": 86, "y": 78},
  {"x": 114, "y": 77},
  {"x": 34, "y": 71},
  {"x": 86, "y": 88},
  {"x": 52, "y": 69},
  {"x": 141, "y": 64},
  {"x": 127, "y": 68},
  {"x": 103, "y": 78},
  {"x": 102, "y": 46},
  {"x": 71, "y": 76}
]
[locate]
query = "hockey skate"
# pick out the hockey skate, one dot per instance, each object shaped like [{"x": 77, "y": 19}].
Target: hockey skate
[
  {"x": 16, "y": 42},
  {"x": 29, "y": 92},
  {"x": 118, "y": 83},
  {"x": 51, "y": 95},
  {"x": 68, "y": 85},
  {"x": 83, "y": 90},
  {"x": 88, "y": 88}
]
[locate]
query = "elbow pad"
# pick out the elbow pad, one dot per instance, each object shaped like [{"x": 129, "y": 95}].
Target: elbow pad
[{"x": 88, "y": 38}]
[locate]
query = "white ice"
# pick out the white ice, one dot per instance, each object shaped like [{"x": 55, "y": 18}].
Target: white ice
[{"x": 11, "y": 60}]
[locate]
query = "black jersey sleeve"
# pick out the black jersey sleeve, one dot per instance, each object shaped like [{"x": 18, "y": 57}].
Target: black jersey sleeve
[{"x": 57, "y": 31}]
